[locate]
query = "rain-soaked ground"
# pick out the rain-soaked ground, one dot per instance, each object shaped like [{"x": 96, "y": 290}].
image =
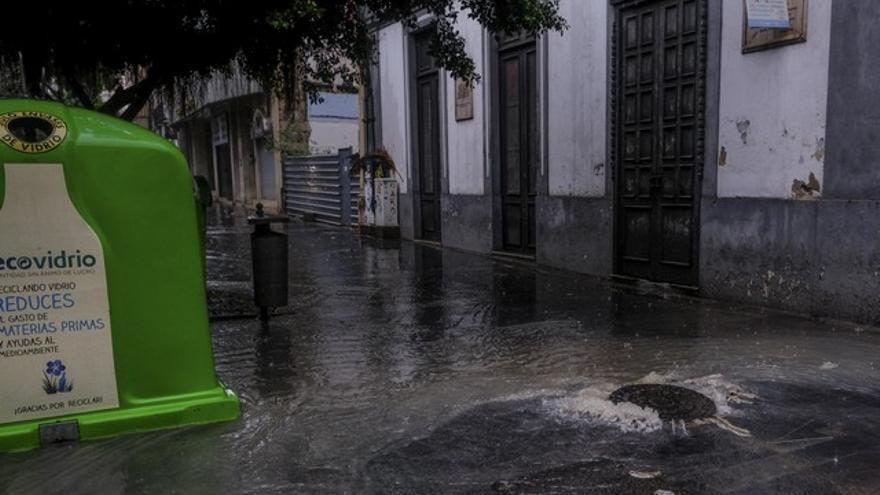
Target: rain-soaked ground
[{"x": 409, "y": 369}]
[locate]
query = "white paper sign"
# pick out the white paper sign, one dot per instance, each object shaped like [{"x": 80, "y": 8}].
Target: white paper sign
[
  {"x": 768, "y": 14},
  {"x": 56, "y": 353}
]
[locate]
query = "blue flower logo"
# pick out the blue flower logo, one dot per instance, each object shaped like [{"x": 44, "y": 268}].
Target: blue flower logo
[
  {"x": 55, "y": 378},
  {"x": 55, "y": 367}
]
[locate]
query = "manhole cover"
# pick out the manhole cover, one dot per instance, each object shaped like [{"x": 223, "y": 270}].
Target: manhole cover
[{"x": 671, "y": 402}]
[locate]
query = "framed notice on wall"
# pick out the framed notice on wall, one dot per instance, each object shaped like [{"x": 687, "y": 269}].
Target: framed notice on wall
[
  {"x": 761, "y": 13},
  {"x": 464, "y": 100}
]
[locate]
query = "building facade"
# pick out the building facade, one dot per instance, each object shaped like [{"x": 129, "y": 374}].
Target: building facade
[
  {"x": 234, "y": 133},
  {"x": 654, "y": 139}
]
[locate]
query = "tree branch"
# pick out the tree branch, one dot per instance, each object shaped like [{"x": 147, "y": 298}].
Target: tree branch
[
  {"x": 119, "y": 98},
  {"x": 141, "y": 96},
  {"x": 77, "y": 88},
  {"x": 132, "y": 94}
]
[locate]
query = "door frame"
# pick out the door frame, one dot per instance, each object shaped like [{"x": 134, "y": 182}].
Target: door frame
[
  {"x": 493, "y": 119},
  {"x": 707, "y": 95},
  {"x": 424, "y": 26}
]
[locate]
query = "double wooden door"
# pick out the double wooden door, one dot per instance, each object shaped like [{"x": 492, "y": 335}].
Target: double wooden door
[
  {"x": 660, "y": 81},
  {"x": 428, "y": 166},
  {"x": 518, "y": 104}
]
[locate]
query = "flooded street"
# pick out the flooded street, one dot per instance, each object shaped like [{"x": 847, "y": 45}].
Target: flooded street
[{"x": 409, "y": 369}]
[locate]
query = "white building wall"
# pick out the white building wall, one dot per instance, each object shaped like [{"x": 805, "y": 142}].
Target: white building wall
[
  {"x": 394, "y": 98},
  {"x": 466, "y": 139},
  {"x": 772, "y": 109},
  {"x": 577, "y": 65}
]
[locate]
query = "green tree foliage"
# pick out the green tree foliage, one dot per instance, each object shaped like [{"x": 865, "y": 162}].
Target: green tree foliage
[{"x": 112, "y": 56}]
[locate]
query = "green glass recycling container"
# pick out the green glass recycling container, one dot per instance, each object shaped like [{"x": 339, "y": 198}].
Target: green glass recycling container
[{"x": 103, "y": 313}]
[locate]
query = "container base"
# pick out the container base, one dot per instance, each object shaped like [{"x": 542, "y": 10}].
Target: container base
[{"x": 214, "y": 406}]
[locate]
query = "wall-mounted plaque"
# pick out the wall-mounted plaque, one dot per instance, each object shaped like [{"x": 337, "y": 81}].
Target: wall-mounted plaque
[
  {"x": 464, "y": 100},
  {"x": 768, "y": 14},
  {"x": 763, "y": 38}
]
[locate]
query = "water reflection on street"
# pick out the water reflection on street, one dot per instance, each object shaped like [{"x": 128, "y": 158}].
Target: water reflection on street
[{"x": 402, "y": 368}]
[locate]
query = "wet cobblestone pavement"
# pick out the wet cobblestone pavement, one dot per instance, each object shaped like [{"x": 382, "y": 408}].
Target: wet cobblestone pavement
[{"x": 409, "y": 369}]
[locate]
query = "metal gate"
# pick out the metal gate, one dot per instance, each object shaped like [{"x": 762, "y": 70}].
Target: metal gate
[
  {"x": 321, "y": 188},
  {"x": 658, "y": 146}
]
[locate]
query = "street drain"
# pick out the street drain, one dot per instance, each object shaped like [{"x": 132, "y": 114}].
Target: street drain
[
  {"x": 672, "y": 403},
  {"x": 676, "y": 405}
]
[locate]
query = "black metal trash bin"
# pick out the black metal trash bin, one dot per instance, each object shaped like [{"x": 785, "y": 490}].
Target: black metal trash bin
[{"x": 270, "y": 262}]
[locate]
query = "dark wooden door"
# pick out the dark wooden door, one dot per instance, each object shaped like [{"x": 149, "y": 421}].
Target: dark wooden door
[
  {"x": 428, "y": 136},
  {"x": 222, "y": 155},
  {"x": 658, "y": 149},
  {"x": 224, "y": 170},
  {"x": 518, "y": 104}
]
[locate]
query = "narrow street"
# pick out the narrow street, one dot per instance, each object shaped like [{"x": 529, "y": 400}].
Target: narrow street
[
  {"x": 622, "y": 247},
  {"x": 411, "y": 369}
]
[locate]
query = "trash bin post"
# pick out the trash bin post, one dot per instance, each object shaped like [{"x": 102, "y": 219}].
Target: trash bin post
[{"x": 270, "y": 262}]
